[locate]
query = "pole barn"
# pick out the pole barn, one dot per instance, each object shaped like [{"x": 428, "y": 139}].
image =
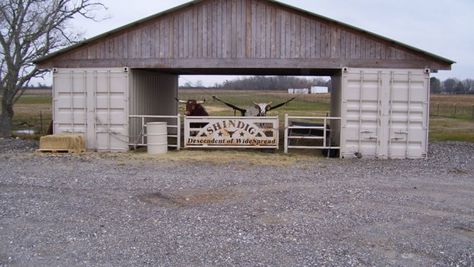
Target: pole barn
[{"x": 381, "y": 85}]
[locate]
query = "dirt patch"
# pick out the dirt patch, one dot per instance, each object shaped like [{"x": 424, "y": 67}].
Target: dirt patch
[
  {"x": 223, "y": 157},
  {"x": 465, "y": 230},
  {"x": 187, "y": 198},
  {"x": 458, "y": 171},
  {"x": 270, "y": 220}
]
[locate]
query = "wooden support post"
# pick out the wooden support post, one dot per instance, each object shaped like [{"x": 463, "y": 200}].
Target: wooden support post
[
  {"x": 472, "y": 111},
  {"x": 41, "y": 122},
  {"x": 286, "y": 142}
]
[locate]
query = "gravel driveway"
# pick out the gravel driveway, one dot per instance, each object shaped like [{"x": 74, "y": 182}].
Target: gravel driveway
[{"x": 109, "y": 210}]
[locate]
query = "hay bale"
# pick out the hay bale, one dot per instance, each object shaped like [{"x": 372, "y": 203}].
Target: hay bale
[{"x": 70, "y": 143}]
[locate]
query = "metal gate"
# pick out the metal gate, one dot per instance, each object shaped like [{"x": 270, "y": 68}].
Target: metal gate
[
  {"x": 310, "y": 129},
  {"x": 141, "y": 138}
]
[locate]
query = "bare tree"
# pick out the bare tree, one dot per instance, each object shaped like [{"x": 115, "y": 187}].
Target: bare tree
[
  {"x": 435, "y": 85},
  {"x": 450, "y": 85},
  {"x": 30, "y": 29}
]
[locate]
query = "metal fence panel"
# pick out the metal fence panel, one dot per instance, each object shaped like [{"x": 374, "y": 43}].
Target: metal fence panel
[
  {"x": 174, "y": 130},
  {"x": 309, "y": 128}
]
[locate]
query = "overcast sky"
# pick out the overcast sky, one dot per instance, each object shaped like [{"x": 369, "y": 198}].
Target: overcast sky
[{"x": 442, "y": 27}]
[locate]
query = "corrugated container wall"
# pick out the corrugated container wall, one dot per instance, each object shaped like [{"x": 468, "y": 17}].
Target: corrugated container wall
[
  {"x": 151, "y": 93},
  {"x": 93, "y": 102},
  {"x": 336, "y": 106},
  {"x": 385, "y": 113}
]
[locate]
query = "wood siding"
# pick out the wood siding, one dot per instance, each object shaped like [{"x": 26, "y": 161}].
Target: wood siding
[{"x": 241, "y": 34}]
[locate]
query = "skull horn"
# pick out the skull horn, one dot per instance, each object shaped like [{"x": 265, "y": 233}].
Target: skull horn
[
  {"x": 181, "y": 101},
  {"x": 201, "y": 101}
]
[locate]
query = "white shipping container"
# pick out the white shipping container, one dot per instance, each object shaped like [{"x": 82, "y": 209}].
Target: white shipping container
[
  {"x": 93, "y": 102},
  {"x": 319, "y": 90},
  {"x": 302, "y": 91},
  {"x": 385, "y": 113}
]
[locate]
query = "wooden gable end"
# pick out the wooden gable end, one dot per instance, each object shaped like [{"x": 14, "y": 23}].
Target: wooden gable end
[{"x": 242, "y": 34}]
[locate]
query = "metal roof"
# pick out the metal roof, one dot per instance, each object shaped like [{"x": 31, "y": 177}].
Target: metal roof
[{"x": 191, "y": 3}]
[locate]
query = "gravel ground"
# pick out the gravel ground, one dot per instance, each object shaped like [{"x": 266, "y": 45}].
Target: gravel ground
[
  {"x": 17, "y": 145},
  {"x": 109, "y": 210}
]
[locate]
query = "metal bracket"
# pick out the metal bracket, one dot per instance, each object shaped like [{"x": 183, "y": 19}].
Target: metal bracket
[
  {"x": 397, "y": 138},
  {"x": 401, "y": 132}
]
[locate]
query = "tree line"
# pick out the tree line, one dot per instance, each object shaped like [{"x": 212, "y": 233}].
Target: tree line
[
  {"x": 264, "y": 83},
  {"x": 448, "y": 86},
  {"x": 451, "y": 86}
]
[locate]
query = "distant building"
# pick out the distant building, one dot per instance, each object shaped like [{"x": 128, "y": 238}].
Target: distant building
[
  {"x": 300, "y": 91},
  {"x": 319, "y": 90}
]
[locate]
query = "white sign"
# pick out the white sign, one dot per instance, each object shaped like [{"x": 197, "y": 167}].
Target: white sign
[{"x": 231, "y": 132}]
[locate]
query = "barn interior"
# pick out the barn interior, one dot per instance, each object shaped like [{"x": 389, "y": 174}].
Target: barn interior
[{"x": 154, "y": 93}]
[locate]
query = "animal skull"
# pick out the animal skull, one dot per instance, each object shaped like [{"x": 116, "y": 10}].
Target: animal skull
[{"x": 262, "y": 108}]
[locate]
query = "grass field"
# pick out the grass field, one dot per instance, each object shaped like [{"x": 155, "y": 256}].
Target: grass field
[
  {"x": 453, "y": 106},
  {"x": 33, "y": 112},
  {"x": 452, "y": 118},
  {"x": 444, "y": 125}
]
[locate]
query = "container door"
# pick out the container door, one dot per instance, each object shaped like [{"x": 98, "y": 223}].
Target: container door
[
  {"x": 93, "y": 102},
  {"x": 385, "y": 113},
  {"x": 70, "y": 101},
  {"x": 362, "y": 108},
  {"x": 409, "y": 98},
  {"x": 111, "y": 109}
]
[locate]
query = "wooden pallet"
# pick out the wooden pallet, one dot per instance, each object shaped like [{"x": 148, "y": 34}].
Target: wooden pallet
[
  {"x": 60, "y": 151},
  {"x": 62, "y": 143}
]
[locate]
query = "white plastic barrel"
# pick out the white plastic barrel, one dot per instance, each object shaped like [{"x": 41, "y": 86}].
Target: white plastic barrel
[{"x": 157, "y": 137}]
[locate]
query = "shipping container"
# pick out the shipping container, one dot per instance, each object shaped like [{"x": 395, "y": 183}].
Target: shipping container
[
  {"x": 384, "y": 113},
  {"x": 97, "y": 103},
  {"x": 319, "y": 90},
  {"x": 94, "y": 103},
  {"x": 300, "y": 91}
]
